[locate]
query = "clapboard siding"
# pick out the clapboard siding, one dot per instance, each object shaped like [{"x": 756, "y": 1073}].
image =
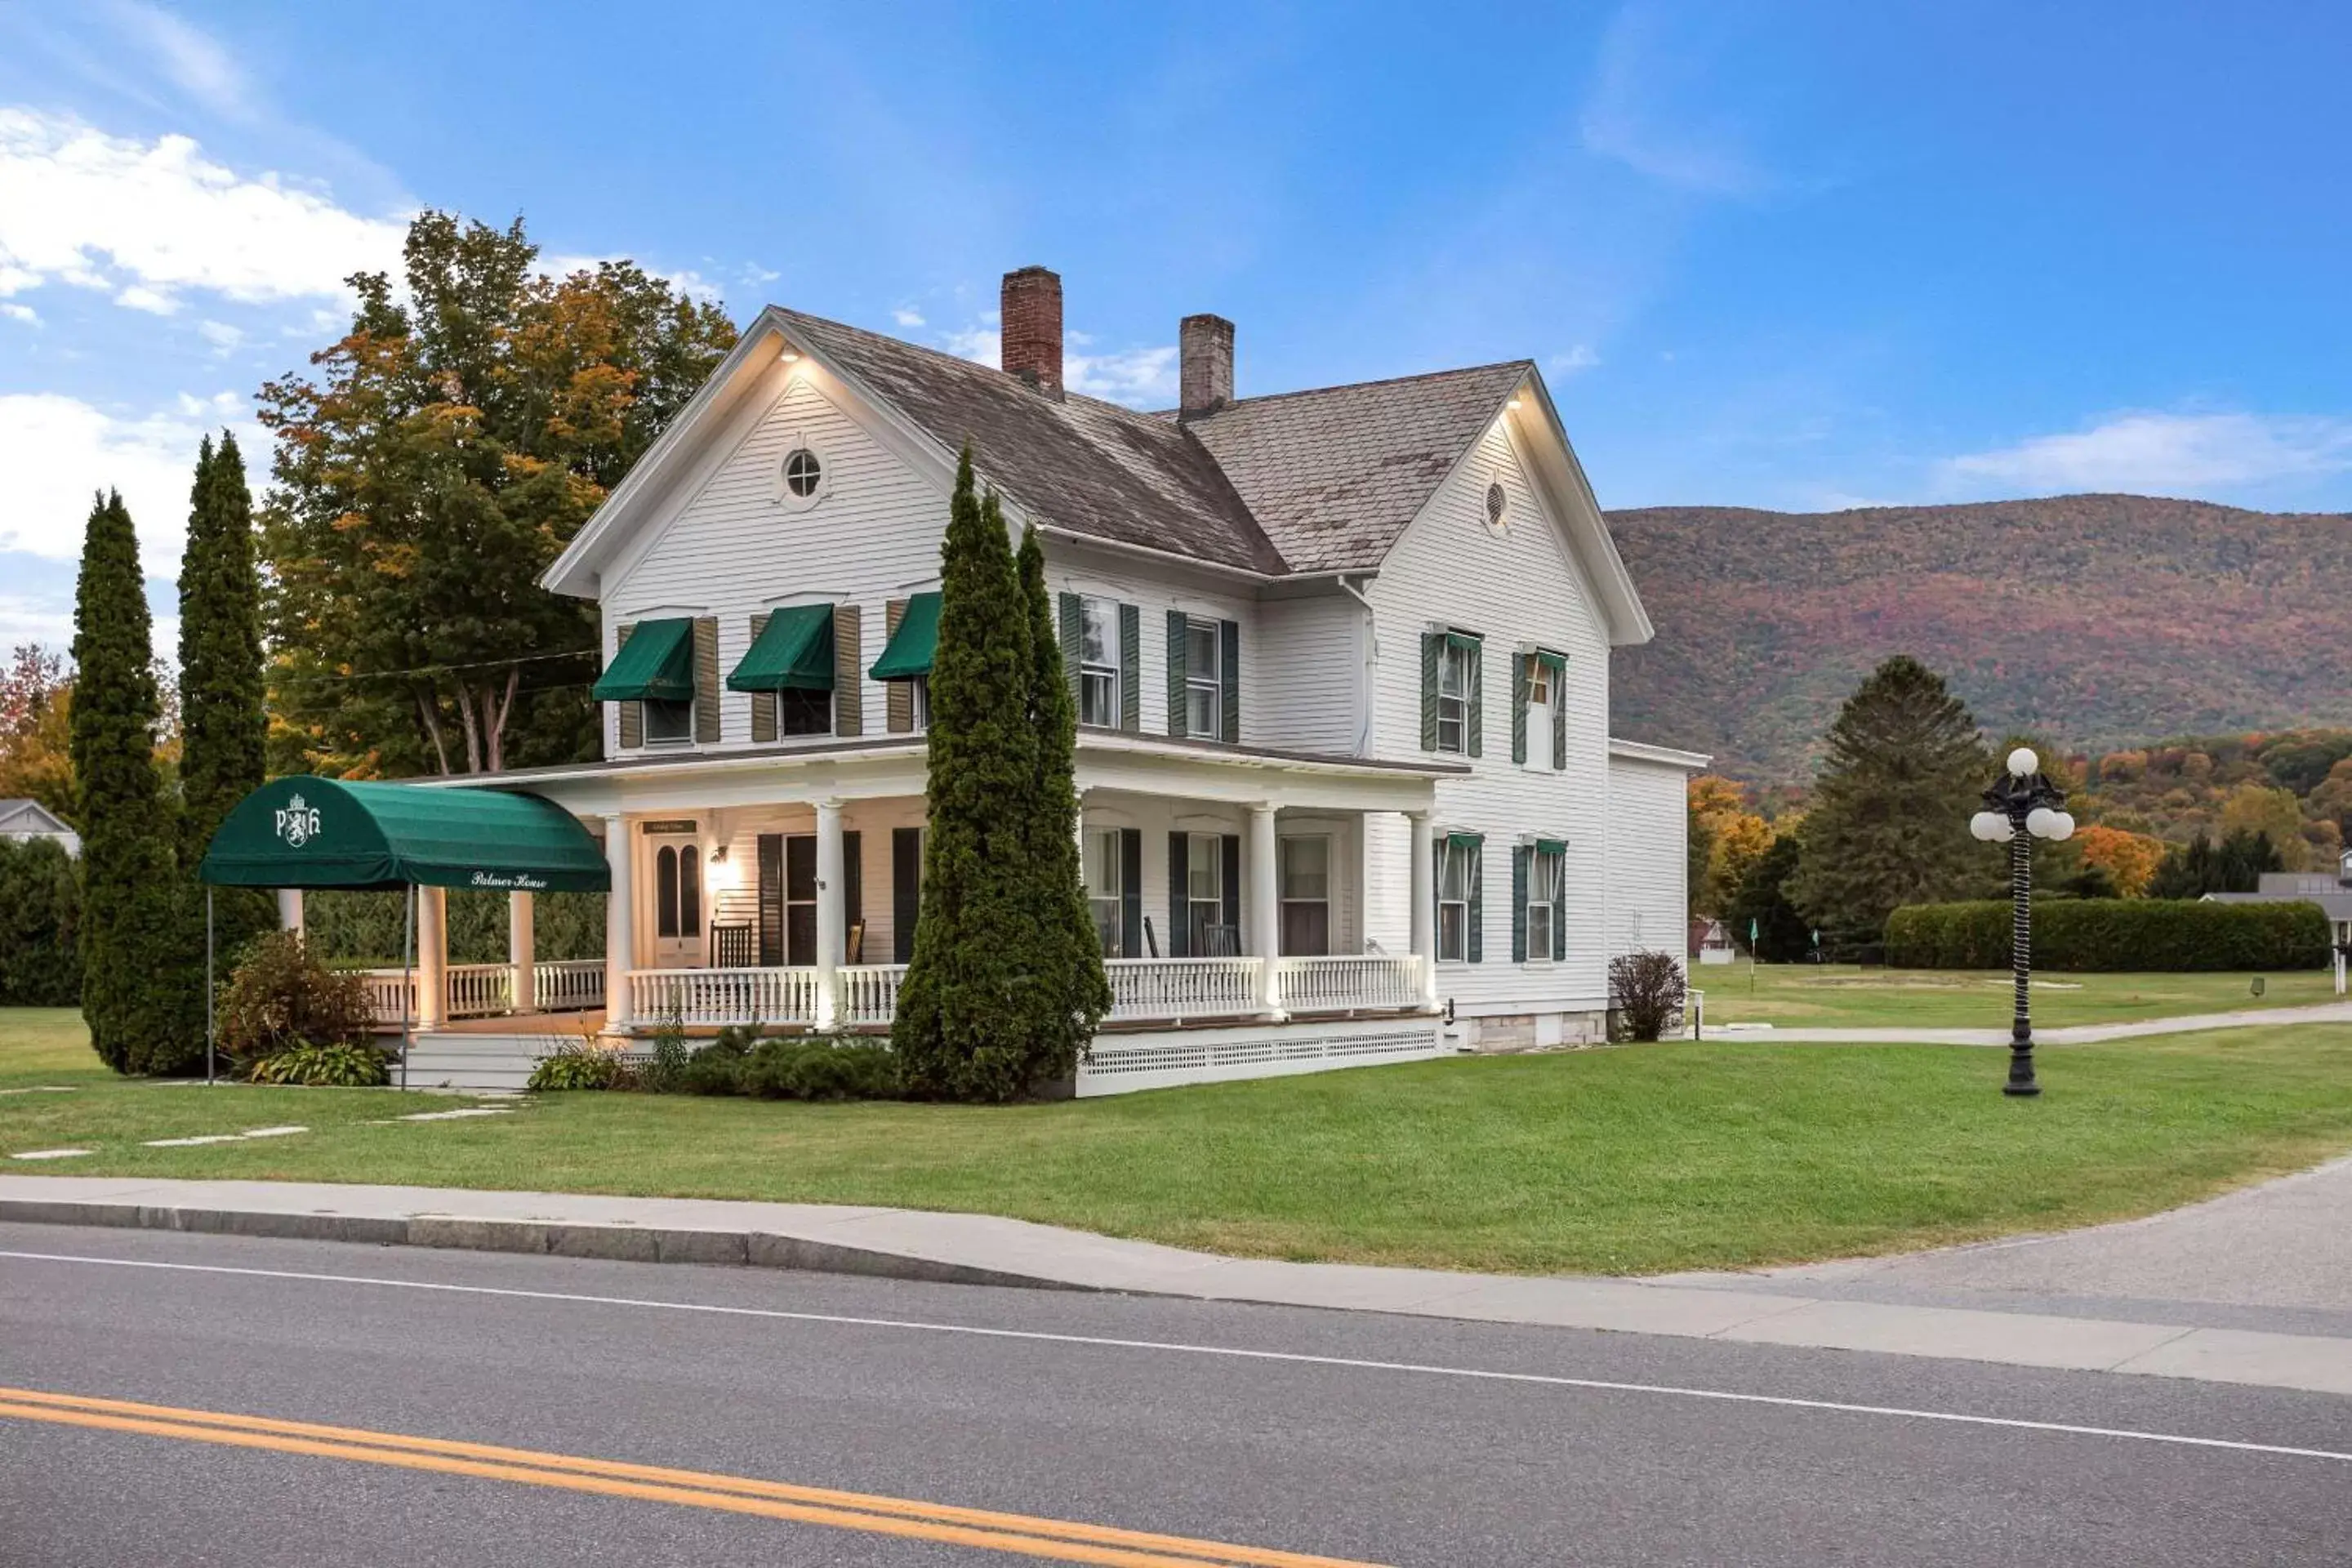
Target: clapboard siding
[
  {"x": 1520, "y": 588},
  {"x": 732, "y": 549},
  {"x": 1310, "y": 666},
  {"x": 1155, "y": 597},
  {"x": 1648, "y": 907}
]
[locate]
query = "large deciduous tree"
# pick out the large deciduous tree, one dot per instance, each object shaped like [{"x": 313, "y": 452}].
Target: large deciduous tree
[
  {"x": 223, "y": 729},
  {"x": 143, "y": 1005},
  {"x": 447, "y": 449},
  {"x": 36, "y": 738},
  {"x": 1888, "y": 820}
]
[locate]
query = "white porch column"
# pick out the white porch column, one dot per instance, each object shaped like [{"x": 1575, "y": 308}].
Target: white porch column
[
  {"x": 1261, "y": 915},
  {"x": 1424, "y": 903},
  {"x": 522, "y": 952},
  {"x": 432, "y": 957},
  {"x": 620, "y": 923},
  {"x": 830, "y": 926},
  {"x": 289, "y": 909}
]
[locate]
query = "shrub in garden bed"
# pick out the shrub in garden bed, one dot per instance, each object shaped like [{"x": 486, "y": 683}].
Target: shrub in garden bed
[
  {"x": 581, "y": 1064},
  {"x": 339, "y": 1067},
  {"x": 282, "y": 999},
  {"x": 1645, "y": 994},
  {"x": 2114, "y": 935}
]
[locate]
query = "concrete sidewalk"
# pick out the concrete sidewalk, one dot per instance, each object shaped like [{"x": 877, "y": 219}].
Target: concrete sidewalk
[
  {"x": 980, "y": 1250},
  {"x": 2073, "y": 1034}
]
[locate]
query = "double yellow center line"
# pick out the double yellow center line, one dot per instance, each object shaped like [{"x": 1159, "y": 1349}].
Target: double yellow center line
[{"x": 1021, "y": 1534}]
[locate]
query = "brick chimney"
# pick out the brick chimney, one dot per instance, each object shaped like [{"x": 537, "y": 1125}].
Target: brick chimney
[
  {"x": 1032, "y": 317},
  {"x": 1205, "y": 354}
]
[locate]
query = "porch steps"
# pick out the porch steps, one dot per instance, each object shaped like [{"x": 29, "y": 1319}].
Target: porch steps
[{"x": 474, "y": 1060}]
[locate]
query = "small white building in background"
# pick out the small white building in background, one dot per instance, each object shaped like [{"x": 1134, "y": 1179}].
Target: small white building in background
[
  {"x": 1341, "y": 659},
  {"x": 28, "y": 819},
  {"x": 2331, "y": 890}
]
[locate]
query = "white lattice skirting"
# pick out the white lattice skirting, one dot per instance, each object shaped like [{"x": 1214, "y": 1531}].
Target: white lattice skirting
[{"x": 1122, "y": 1063}]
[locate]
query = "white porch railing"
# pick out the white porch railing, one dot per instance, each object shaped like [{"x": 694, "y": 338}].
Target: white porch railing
[
  {"x": 568, "y": 985},
  {"x": 480, "y": 990},
  {"x": 1175, "y": 988},
  {"x": 1337, "y": 984},
  {"x": 869, "y": 991},
  {"x": 387, "y": 989},
  {"x": 722, "y": 995}
]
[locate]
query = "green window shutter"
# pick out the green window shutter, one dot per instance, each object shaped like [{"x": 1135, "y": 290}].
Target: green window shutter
[
  {"x": 906, "y": 891},
  {"x": 899, "y": 701},
  {"x": 848, "y": 693},
  {"x": 1131, "y": 669},
  {"x": 1518, "y": 903},
  {"x": 705, "y": 680},
  {"x": 1131, "y": 884},
  {"x": 1229, "y": 700},
  {"x": 770, "y": 898},
  {"x": 1072, "y": 632},
  {"x": 763, "y": 703},
  {"x": 1476, "y": 951},
  {"x": 632, "y": 715},
  {"x": 1474, "y": 719},
  {"x": 1558, "y": 666},
  {"x": 1230, "y": 863},
  {"x": 1177, "y": 621},
  {"x": 1559, "y": 908},
  {"x": 1179, "y": 932},
  {"x": 1432, "y": 644},
  {"x": 1520, "y": 689}
]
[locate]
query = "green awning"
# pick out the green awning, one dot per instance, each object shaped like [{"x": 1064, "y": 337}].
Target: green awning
[
  {"x": 912, "y": 645},
  {"x": 305, "y": 832},
  {"x": 1465, "y": 840},
  {"x": 795, "y": 649},
  {"x": 657, "y": 662},
  {"x": 1551, "y": 846}
]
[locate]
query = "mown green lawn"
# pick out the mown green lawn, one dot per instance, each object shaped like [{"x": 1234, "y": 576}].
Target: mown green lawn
[
  {"x": 1635, "y": 1160},
  {"x": 1844, "y": 996}
]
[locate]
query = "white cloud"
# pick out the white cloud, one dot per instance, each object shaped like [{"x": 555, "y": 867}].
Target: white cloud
[
  {"x": 1653, "y": 108},
  {"x": 1581, "y": 357},
  {"x": 982, "y": 345},
  {"x": 59, "y": 450},
  {"x": 154, "y": 301},
  {"x": 221, "y": 336},
  {"x": 150, "y": 219},
  {"x": 189, "y": 59},
  {"x": 25, "y": 313},
  {"x": 1141, "y": 378},
  {"x": 906, "y": 316},
  {"x": 2166, "y": 453}
]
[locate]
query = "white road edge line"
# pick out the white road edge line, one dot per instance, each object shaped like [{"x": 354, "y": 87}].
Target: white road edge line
[{"x": 1547, "y": 1380}]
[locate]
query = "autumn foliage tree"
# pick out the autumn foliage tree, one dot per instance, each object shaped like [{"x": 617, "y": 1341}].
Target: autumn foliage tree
[
  {"x": 443, "y": 452},
  {"x": 36, "y": 747},
  {"x": 2129, "y": 860}
]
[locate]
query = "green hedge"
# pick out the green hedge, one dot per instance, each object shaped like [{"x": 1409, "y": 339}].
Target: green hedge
[
  {"x": 40, "y": 913},
  {"x": 365, "y": 927},
  {"x": 2116, "y": 935}
]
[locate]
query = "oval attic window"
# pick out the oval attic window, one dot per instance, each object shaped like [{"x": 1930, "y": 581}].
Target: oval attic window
[
  {"x": 803, "y": 473},
  {"x": 1495, "y": 502}
]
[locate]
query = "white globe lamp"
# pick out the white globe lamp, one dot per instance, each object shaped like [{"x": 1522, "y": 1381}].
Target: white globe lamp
[
  {"x": 2062, "y": 824},
  {"x": 1990, "y": 826},
  {"x": 2023, "y": 763},
  {"x": 2042, "y": 822}
]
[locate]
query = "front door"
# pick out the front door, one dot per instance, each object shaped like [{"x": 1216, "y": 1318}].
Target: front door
[{"x": 677, "y": 903}]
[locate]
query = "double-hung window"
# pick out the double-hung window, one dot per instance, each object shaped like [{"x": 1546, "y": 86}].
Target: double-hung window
[
  {"x": 1098, "y": 671},
  {"x": 1458, "y": 668},
  {"x": 667, "y": 724},
  {"x": 800, "y": 712},
  {"x": 1541, "y": 694},
  {"x": 1544, "y": 872},
  {"x": 919, "y": 694},
  {"x": 1306, "y": 896},
  {"x": 1457, "y": 891},
  {"x": 1106, "y": 893},
  {"x": 1204, "y": 680},
  {"x": 1204, "y": 899}
]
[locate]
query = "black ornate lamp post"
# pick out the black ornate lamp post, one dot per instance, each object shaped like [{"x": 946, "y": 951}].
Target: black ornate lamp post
[{"x": 2021, "y": 807}]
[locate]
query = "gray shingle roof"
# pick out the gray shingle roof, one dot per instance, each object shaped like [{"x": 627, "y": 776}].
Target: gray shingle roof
[
  {"x": 1334, "y": 474},
  {"x": 1298, "y": 482}
]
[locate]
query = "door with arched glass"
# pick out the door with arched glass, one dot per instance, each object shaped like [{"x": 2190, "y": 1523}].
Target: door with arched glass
[{"x": 678, "y": 922}]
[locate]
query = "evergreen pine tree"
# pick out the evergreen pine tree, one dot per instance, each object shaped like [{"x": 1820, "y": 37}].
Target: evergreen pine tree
[
  {"x": 1888, "y": 821},
  {"x": 964, "y": 1026},
  {"x": 133, "y": 948},
  {"x": 1761, "y": 907},
  {"x": 222, "y": 728},
  {"x": 1069, "y": 953}
]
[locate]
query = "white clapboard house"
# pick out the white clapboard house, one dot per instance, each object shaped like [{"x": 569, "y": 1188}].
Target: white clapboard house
[{"x": 1341, "y": 661}]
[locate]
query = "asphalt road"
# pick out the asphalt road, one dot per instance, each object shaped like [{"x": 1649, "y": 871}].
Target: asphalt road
[{"x": 1358, "y": 1437}]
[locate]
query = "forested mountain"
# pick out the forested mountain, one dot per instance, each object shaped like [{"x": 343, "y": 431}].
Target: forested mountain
[{"x": 2100, "y": 620}]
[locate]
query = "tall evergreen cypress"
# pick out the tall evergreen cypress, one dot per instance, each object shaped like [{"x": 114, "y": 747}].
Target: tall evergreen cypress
[
  {"x": 1888, "y": 821},
  {"x": 964, "y": 1026},
  {"x": 133, "y": 948},
  {"x": 222, "y": 728},
  {"x": 1069, "y": 953}
]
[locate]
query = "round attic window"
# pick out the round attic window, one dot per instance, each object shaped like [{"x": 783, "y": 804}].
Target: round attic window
[
  {"x": 804, "y": 473},
  {"x": 1497, "y": 504}
]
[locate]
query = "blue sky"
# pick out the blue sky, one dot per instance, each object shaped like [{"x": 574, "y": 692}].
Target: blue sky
[{"x": 1798, "y": 256}]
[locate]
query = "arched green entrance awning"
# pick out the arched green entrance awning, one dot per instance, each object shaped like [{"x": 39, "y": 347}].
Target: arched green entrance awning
[{"x": 307, "y": 832}]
